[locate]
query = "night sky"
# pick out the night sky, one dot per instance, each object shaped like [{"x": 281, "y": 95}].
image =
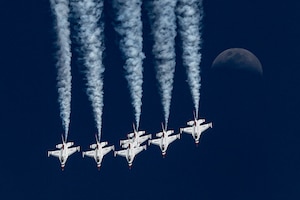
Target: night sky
[{"x": 233, "y": 161}]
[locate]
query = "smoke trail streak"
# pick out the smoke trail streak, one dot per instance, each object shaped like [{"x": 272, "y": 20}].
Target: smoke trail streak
[
  {"x": 91, "y": 39},
  {"x": 60, "y": 9},
  {"x": 190, "y": 14},
  {"x": 129, "y": 26},
  {"x": 164, "y": 32}
]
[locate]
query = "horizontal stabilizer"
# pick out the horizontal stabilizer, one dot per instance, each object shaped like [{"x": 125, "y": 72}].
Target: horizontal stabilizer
[{"x": 160, "y": 134}]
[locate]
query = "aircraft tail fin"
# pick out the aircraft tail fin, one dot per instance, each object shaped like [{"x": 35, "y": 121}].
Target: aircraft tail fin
[
  {"x": 97, "y": 139},
  {"x": 134, "y": 128},
  {"x": 62, "y": 138},
  {"x": 195, "y": 115},
  {"x": 163, "y": 127}
]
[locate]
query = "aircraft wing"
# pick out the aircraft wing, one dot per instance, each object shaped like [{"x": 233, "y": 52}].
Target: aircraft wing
[
  {"x": 191, "y": 123},
  {"x": 90, "y": 153},
  {"x": 172, "y": 138},
  {"x": 205, "y": 126},
  {"x": 107, "y": 149},
  {"x": 130, "y": 135},
  {"x": 139, "y": 149},
  {"x": 125, "y": 141},
  {"x": 140, "y": 133},
  {"x": 144, "y": 138},
  {"x": 69, "y": 144},
  {"x": 169, "y": 132},
  {"x": 160, "y": 134},
  {"x": 200, "y": 121},
  {"x": 188, "y": 130},
  {"x": 121, "y": 153},
  {"x": 72, "y": 150},
  {"x": 54, "y": 153},
  {"x": 156, "y": 141}
]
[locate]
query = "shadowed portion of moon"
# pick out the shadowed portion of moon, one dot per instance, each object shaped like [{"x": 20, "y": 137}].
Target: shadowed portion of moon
[
  {"x": 235, "y": 106},
  {"x": 236, "y": 87}
]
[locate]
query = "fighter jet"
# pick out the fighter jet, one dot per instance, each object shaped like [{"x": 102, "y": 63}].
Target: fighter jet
[
  {"x": 64, "y": 151},
  {"x": 130, "y": 152},
  {"x": 136, "y": 138},
  {"x": 164, "y": 139},
  {"x": 196, "y": 128},
  {"x": 98, "y": 151}
]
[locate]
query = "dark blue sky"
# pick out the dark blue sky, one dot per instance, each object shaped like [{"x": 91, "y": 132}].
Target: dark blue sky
[{"x": 231, "y": 162}]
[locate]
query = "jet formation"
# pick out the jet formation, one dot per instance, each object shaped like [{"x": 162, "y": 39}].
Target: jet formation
[{"x": 133, "y": 145}]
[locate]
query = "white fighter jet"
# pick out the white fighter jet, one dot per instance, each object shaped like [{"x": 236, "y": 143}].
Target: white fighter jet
[
  {"x": 164, "y": 139},
  {"x": 136, "y": 138},
  {"x": 63, "y": 152},
  {"x": 196, "y": 128},
  {"x": 130, "y": 152},
  {"x": 98, "y": 151}
]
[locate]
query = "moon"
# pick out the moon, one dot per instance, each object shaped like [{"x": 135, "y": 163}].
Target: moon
[
  {"x": 238, "y": 59},
  {"x": 237, "y": 70},
  {"x": 236, "y": 86}
]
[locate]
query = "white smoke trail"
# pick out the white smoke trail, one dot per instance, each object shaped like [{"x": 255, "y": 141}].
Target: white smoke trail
[
  {"x": 190, "y": 14},
  {"x": 129, "y": 26},
  {"x": 61, "y": 10},
  {"x": 163, "y": 21},
  {"x": 91, "y": 38}
]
